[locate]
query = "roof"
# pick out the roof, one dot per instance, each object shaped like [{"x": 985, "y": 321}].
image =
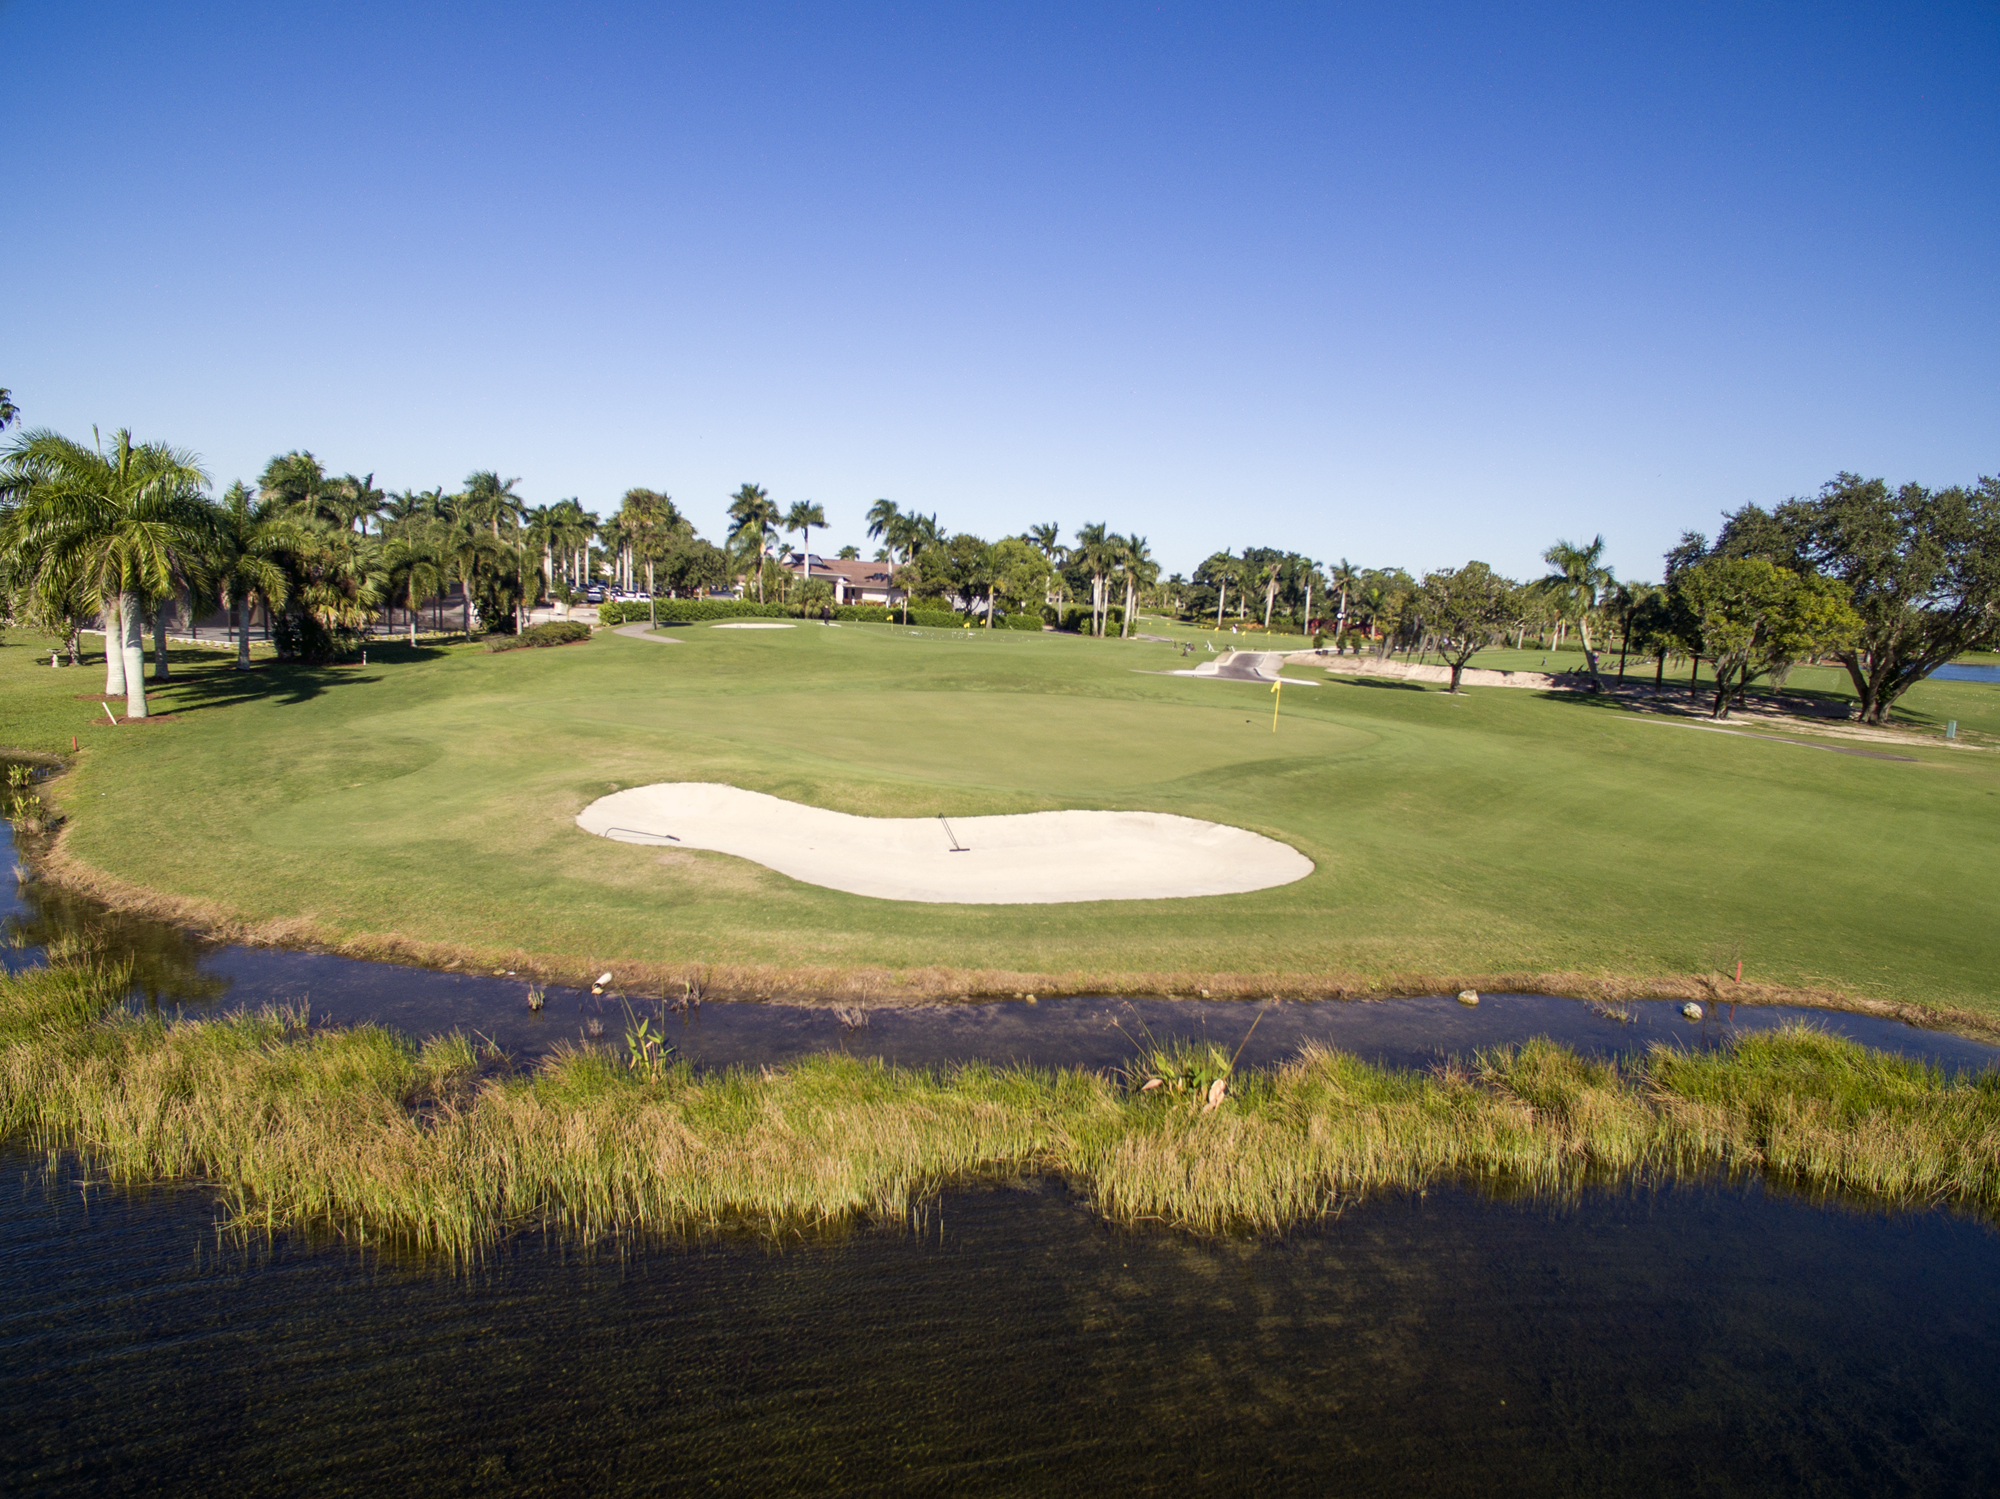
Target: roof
[{"x": 858, "y": 574}]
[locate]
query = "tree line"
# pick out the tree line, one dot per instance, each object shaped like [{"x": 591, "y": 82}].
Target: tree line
[{"x": 1890, "y": 583}]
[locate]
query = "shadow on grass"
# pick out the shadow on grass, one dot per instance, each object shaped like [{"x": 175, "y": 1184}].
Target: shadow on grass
[
  {"x": 201, "y": 680},
  {"x": 1681, "y": 701},
  {"x": 1392, "y": 684}
]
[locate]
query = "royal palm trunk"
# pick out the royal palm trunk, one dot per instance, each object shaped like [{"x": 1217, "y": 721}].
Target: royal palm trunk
[
  {"x": 114, "y": 653},
  {"x": 134, "y": 652}
]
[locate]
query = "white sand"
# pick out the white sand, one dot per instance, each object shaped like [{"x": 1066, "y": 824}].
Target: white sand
[
  {"x": 753, "y": 624},
  {"x": 1027, "y": 859},
  {"x": 1245, "y": 666}
]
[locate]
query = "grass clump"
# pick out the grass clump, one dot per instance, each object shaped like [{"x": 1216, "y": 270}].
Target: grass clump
[{"x": 434, "y": 1147}]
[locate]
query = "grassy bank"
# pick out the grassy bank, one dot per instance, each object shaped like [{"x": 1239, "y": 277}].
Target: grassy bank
[
  {"x": 422, "y": 806},
  {"x": 422, "y": 1145}
]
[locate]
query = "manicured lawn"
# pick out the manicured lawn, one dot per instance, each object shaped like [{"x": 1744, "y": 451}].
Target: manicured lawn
[{"x": 430, "y": 795}]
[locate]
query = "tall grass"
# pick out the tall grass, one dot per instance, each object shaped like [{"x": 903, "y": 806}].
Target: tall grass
[{"x": 435, "y": 1147}]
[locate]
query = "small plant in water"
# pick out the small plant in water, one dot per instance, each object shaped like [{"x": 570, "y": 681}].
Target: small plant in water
[
  {"x": 536, "y": 998},
  {"x": 1184, "y": 1069},
  {"x": 1188, "y": 1069},
  {"x": 647, "y": 1051}
]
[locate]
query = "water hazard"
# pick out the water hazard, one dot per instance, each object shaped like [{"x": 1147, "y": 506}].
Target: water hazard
[{"x": 1646, "y": 1342}]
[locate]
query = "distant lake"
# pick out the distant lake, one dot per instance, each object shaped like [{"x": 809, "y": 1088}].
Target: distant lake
[{"x": 1965, "y": 674}]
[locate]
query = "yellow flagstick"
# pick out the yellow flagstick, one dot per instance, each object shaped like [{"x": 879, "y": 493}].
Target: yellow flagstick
[{"x": 1277, "y": 697}]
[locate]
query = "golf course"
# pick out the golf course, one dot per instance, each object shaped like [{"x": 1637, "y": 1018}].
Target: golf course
[{"x": 424, "y": 806}]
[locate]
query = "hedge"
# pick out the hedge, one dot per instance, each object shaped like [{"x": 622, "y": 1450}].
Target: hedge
[
  {"x": 876, "y": 614},
  {"x": 553, "y": 632},
  {"x": 689, "y": 611}
]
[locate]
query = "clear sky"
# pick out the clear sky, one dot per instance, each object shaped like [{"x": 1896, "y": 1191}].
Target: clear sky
[{"x": 1403, "y": 283}]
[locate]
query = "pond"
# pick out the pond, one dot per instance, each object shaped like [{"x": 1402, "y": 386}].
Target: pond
[
  {"x": 1664, "y": 1341},
  {"x": 1956, "y": 673}
]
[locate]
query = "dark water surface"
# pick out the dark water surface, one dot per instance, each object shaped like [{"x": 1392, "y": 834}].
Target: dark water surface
[{"x": 1688, "y": 1340}]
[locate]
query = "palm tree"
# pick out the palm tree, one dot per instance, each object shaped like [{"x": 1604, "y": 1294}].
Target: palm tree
[
  {"x": 122, "y": 527},
  {"x": 537, "y": 533},
  {"x": 466, "y": 552},
  {"x": 648, "y": 519},
  {"x": 570, "y": 530},
  {"x": 411, "y": 566},
  {"x": 1578, "y": 578},
  {"x": 754, "y": 521},
  {"x": 252, "y": 544},
  {"x": 9, "y": 412},
  {"x": 336, "y": 584},
  {"x": 1096, "y": 553},
  {"x": 491, "y": 499},
  {"x": 1135, "y": 560},
  {"x": 913, "y": 535},
  {"x": 1048, "y": 541},
  {"x": 881, "y": 518},
  {"x": 296, "y": 482},
  {"x": 359, "y": 501},
  {"x": 399, "y": 510},
  {"x": 1346, "y": 577},
  {"x": 802, "y": 517}
]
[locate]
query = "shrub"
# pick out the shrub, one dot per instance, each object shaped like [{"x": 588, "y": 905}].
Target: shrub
[
  {"x": 302, "y": 637},
  {"x": 1076, "y": 618},
  {"x": 1018, "y": 622},
  {"x": 874, "y": 614},
  {"x": 693, "y": 611},
  {"x": 555, "y": 632}
]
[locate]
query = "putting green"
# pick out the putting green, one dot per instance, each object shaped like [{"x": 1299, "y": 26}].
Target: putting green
[{"x": 431, "y": 798}]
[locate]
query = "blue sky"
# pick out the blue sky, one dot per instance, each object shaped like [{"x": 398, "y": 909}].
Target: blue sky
[{"x": 1406, "y": 284}]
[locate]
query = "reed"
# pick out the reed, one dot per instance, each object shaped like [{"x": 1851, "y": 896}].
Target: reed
[{"x": 442, "y": 1148}]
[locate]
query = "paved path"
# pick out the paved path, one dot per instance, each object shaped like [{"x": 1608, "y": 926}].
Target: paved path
[{"x": 646, "y": 632}]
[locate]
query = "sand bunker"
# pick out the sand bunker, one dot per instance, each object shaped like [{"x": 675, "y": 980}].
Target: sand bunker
[{"x": 1029, "y": 859}]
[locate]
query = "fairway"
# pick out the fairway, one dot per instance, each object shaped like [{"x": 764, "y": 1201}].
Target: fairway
[{"x": 426, "y": 804}]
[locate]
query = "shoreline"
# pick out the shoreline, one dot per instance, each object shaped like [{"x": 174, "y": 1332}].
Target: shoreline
[{"x": 886, "y": 988}]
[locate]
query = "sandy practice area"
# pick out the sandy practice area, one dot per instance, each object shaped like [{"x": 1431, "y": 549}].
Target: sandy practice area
[{"x": 1027, "y": 859}]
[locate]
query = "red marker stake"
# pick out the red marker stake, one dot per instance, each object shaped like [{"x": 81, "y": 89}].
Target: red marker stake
[{"x": 1739, "y": 970}]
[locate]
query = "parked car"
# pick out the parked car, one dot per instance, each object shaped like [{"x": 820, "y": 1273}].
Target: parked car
[{"x": 593, "y": 596}]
